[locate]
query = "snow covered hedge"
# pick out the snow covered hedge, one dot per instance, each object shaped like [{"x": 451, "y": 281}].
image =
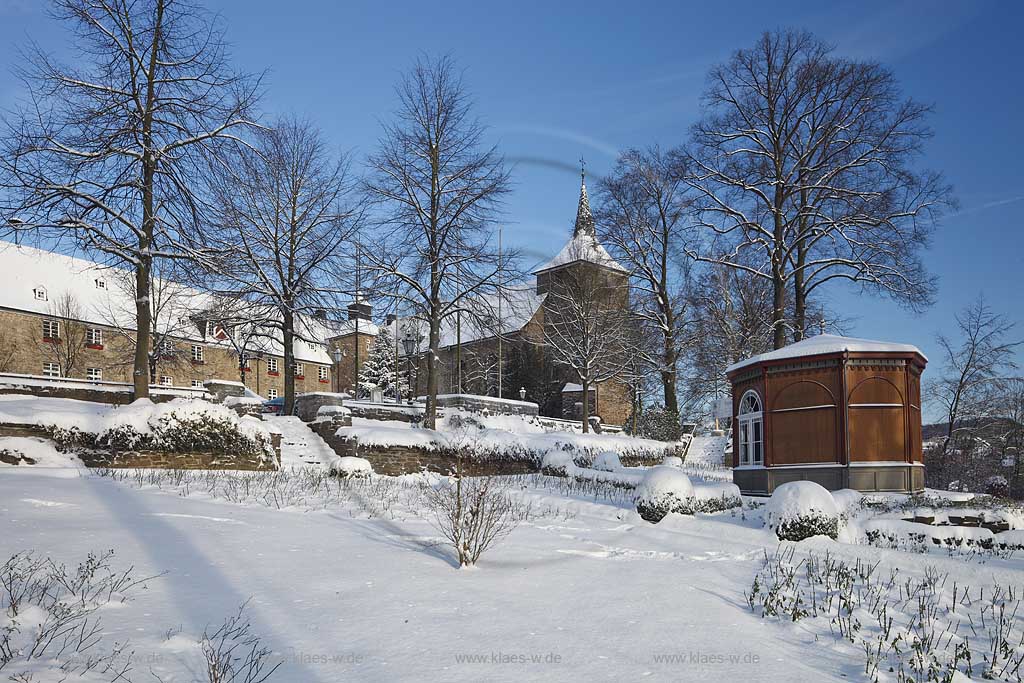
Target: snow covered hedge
[
  {"x": 802, "y": 509},
  {"x": 180, "y": 426}
]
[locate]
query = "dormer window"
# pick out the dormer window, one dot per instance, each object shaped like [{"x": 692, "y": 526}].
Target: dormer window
[
  {"x": 39, "y": 293},
  {"x": 100, "y": 283}
]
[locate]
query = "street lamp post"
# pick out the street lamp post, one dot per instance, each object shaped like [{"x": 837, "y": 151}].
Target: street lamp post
[
  {"x": 409, "y": 343},
  {"x": 337, "y": 365},
  {"x": 522, "y": 393}
]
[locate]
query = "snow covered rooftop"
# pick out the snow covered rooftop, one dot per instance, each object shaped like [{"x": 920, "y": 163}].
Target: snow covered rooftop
[
  {"x": 582, "y": 247},
  {"x": 35, "y": 280},
  {"x": 825, "y": 344}
]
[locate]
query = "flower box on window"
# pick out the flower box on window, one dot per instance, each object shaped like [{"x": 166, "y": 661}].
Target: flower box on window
[
  {"x": 51, "y": 340},
  {"x": 325, "y": 381},
  {"x": 95, "y": 347},
  {"x": 300, "y": 377},
  {"x": 273, "y": 373}
]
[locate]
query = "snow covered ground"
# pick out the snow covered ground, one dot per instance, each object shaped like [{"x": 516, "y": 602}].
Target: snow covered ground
[{"x": 584, "y": 589}]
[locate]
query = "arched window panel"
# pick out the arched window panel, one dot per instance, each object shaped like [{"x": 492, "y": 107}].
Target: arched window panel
[{"x": 750, "y": 430}]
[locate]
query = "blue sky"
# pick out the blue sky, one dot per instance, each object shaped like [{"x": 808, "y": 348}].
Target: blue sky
[{"x": 555, "y": 83}]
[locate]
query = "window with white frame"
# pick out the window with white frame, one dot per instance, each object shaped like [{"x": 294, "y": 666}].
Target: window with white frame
[
  {"x": 166, "y": 381},
  {"x": 39, "y": 293},
  {"x": 100, "y": 283},
  {"x": 196, "y": 384},
  {"x": 166, "y": 348},
  {"x": 197, "y": 353},
  {"x": 271, "y": 394},
  {"x": 93, "y": 336},
  {"x": 300, "y": 369},
  {"x": 323, "y": 373},
  {"x": 271, "y": 365},
  {"x": 51, "y": 329},
  {"x": 51, "y": 369},
  {"x": 94, "y": 374},
  {"x": 750, "y": 430}
]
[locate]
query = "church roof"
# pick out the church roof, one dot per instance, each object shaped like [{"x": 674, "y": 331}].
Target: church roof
[
  {"x": 825, "y": 344},
  {"x": 584, "y": 245}
]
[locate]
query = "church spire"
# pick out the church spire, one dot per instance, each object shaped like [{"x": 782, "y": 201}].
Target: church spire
[{"x": 584, "y": 219}]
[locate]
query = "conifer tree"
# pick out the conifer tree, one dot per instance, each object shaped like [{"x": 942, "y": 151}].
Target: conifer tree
[{"x": 378, "y": 370}]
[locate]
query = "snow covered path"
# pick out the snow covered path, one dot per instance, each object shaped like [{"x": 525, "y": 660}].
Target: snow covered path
[
  {"x": 300, "y": 445},
  {"x": 605, "y": 594}
]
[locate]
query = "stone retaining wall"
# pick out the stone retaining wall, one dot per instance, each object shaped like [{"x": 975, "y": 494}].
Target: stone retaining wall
[
  {"x": 176, "y": 461},
  {"x": 477, "y": 403},
  {"x": 158, "y": 459},
  {"x": 306, "y": 405},
  {"x": 396, "y": 460},
  {"x": 386, "y": 411}
]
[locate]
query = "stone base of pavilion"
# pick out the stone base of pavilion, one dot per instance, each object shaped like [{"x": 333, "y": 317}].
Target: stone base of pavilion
[{"x": 898, "y": 477}]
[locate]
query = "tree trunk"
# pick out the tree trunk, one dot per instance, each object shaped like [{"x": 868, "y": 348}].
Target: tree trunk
[
  {"x": 144, "y": 266},
  {"x": 799, "y": 297},
  {"x": 779, "y": 312},
  {"x": 288, "y": 335},
  {"x": 430, "y": 416},
  {"x": 668, "y": 377},
  {"x": 586, "y": 407}
]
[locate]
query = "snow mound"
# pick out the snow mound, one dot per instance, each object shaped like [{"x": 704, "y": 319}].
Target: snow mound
[
  {"x": 801, "y": 509},
  {"x": 607, "y": 461},
  {"x": 350, "y": 466},
  {"x": 847, "y": 500},
  {"x": 672, "y": 461},
  {"x": 32, "y": 452}
]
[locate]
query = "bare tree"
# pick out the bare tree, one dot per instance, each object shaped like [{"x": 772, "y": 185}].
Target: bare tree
[
  {"x": 438, "y": 190},
  {"x": 976, "y": 365},
  {"x": 804, "y": 163},
  {"x": 643, "y": 218},
  {"x": 104, "y": 153},
  {"x": 586, "y": 325},
  {"x": 66, "y": 347},
  {"x": 286, "y": 221},
  {"x": 173, "y": 309}
]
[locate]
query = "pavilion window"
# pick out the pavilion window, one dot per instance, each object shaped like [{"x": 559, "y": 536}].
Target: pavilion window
[{"x": 750, "y": 434}]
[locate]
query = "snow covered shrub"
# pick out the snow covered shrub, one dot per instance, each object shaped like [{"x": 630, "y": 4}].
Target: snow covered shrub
[
  {"x": 607, "y": 461},
  {"x": 997, "y": 486},
  {"x": 234, "y": 654},
  {"x": 50, "y": 624},
  {"x": 661, "y": 491},
  {"x": 802, "y": 509},
  {"x": 558, "y": 463},
  {"x": 473, "y": 513},
  {"x": 716, "y": 497},
  {"x": 181, "y": 426},
  {"x": 658, "y": 424},
  {"x": 350, "y": 466}
]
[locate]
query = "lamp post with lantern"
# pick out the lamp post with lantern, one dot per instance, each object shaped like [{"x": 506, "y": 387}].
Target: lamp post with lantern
[
  {"x": 409, "y": 344},
  {"x": 337, "y": 355}
]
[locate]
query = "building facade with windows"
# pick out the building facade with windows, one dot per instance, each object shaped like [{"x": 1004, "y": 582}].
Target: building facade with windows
[{"x": 63, "y": 317}]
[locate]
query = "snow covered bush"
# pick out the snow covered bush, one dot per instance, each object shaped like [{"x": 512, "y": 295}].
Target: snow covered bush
[
  {"x": 657, "y": 423},
  {"x": 180, "y": 426},
  {"x": 50, "y": 627},
  {"x": 661, "y": 491},
  {"x": 350, "y": 466},
  {"x": 607, "y": 461},
  {"x": 997, "y": 486},
  {"x": 558, "y": 463},
  {"x": 802, "y": 509},
  {"x": 716, "y": 497}
]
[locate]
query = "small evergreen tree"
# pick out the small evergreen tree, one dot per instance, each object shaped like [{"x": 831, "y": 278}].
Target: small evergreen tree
[{"x": 378, "y": 370}]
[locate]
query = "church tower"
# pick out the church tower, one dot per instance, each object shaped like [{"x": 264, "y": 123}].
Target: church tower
[{"x": 582, "y": 251}]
